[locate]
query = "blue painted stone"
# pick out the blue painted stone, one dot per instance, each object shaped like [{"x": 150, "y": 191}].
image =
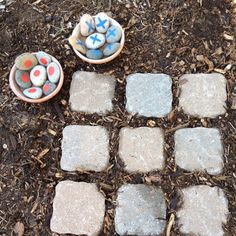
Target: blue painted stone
[
  {"x": 77, "y": 44},
  {"x": 95, "y": 41},
  {"x": 48, "y": 88},
  {"x": 111, "y": 48},
  {"x": 102, "y": 22},
  {"x": 23, "y": 79},
  {"x": 87, "y": 25},
  {"x": 113, "y": 34},
  {"x": 94, "y": 54}
]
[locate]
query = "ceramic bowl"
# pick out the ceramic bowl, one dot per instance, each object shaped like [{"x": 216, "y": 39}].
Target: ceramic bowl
[
  {"x": 18, "y": 92},
  {"x": 76, "y": 33}
]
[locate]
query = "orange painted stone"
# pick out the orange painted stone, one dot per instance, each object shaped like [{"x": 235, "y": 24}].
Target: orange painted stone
[
  {"x": 26, "y": 61},
  {"x": 23, "y": 79}
]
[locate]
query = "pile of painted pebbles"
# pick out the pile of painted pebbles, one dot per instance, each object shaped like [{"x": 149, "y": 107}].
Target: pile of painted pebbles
[
  {"x": 97, "y": 38},
  {"x": 36, "y": 74}
]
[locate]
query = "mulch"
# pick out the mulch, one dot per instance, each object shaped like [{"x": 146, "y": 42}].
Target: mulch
[{"x": 173, "y": 37}]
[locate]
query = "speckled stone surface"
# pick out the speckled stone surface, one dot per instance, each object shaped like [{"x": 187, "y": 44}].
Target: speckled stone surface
[
  {"x": 203, "y": 211},
  {"x": 78, "y": 208}
]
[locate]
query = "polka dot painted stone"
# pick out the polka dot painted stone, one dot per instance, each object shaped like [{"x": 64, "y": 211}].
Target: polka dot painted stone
[
  {"x": 23, "y": 79},
  {"x": 78, "y": 44},
  {"x": 87, "y": 25},
  {"x": 33, "y": 92},
  {"x": 113, "y": 34},
  {"x": 38, "y": 75},
  {"x": 111, "y": 48},
  {"x": 95, "y": 41},
  {"x": 48, "y": 88},
  {"x": 94, "y": 54},
  {"x": 102, "y": 22},
  {"x": 26, "y": 61},
  {"x": 43, "y": 58},
  {"x": 53, "y": 72}
]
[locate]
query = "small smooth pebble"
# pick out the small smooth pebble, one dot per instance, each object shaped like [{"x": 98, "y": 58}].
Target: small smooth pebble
[
  {"x": 87, "y": 25},
  {"x": 38, "y": 75},
  {"x": 33, "y": 92},
  {"x": 77, "y": 44},
  {"x": 113, "y": 34},
  {"x": 102, "y": 22},
  {"x": 95, "y": 41},
  {"x": 53, "y": 72},
  {"x": 94, "y": 54},
  {"x": 48, "y": 88},
  {"x": 111, "y": 49},
  {"x": 26, "y": 61},
  {"x": 43, "y": 58},
  {"x": 23, "y": 79}
]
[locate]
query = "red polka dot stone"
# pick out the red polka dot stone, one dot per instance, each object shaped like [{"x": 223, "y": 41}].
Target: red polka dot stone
[
  {"x": 48, "y": 88},
  {"x": 43, "y": 58},
  {"x": 23, "y": 79},
  {"x": 53, "y": 72},
  {"x": 26, "y": 61},
  {"x": 38, "y": 75},
  {"x": 33, "y": 92}
]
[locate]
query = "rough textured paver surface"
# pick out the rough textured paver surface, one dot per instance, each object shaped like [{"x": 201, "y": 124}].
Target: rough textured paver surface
[
  {"x": 203, "y": 212},
  {"x": 149, "y": 94},
  {"x": 78, "y": 208},
  {"x": 91, "y": 92},
  {"x": 140, "y": 210},
  {"x": 199, "y": 149},
  {"x": 203, "y": 95},
  {"x": 141, "y": 149},
  {"x": 85, "y": 148}
]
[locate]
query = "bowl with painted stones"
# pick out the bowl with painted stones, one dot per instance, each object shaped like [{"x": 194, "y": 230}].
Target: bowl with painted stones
[
  {"x": 36, "y": 77},
  {"x": 80, "y": 40}
]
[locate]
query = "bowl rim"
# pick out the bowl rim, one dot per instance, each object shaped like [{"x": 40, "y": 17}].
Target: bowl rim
[
  {"x": 16, "y": 89},
  {"x": 107, "y": 59}
]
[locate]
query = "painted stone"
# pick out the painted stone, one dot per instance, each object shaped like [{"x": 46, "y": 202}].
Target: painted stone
[
  {"x": 87, "y": 26},
  {"x": 48, "y": 88},
  {"x": 43, "y": 58},
  {"x": 111, "y": 48},
  {"x": 26, "y": 61},
  {"x": 95, "y": 41},
  {"x": 94, "y": 54},
  {"x": 33, "y": 92},
  {"x": 23, "y": 79},
  {"x": 102, "y": 22},
  {"x": 38, "y": 75},
  {"x": 113, "y": 34},
  {"x": 77, "y": 44},
  {"x": 53, "y": 72}
]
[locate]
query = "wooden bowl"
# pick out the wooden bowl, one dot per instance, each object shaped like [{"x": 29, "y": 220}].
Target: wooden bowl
[
  {"x": 17, "y": 90},
  {"x": 76, "y": 33}
]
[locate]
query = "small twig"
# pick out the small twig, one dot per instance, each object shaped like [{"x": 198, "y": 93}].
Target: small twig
[
  {"x": 170, "y": 224},
  {"x": 177, "y": 127}
]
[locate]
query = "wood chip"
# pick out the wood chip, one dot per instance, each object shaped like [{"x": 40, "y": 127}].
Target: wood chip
[
  {"x": 19, "y": 229},
  {"x": 228, "y": 37}
]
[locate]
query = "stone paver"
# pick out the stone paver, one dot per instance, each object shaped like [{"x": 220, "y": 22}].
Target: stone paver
[
  {"x": 141, "y": 149},
  {"x": 203, "y": 212},
  {"x": 78, "y": 208},
  {"x": 199, "y": 149},
  {"x": 203, "y": 95},
  {"x": 85, "y": 147},
  {"x": 149, "y": 94},
  {"x": 140, "y": 210},
  {"x": 91, "y": 92}
]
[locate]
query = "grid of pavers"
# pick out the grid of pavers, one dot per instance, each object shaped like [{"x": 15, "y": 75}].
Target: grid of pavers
[{"x": 79, "y": 208}]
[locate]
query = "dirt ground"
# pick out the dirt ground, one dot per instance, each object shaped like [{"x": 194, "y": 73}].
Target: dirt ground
[{"x": 168, "y": 36}]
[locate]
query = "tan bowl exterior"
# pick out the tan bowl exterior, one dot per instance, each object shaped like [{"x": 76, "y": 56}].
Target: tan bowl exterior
[
  {"x": 16, "y": 89},
  {"x": 76, "y": 32}
]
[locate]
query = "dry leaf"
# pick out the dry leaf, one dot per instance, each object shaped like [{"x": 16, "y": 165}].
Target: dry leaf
[{"x": 19, "y": 229}]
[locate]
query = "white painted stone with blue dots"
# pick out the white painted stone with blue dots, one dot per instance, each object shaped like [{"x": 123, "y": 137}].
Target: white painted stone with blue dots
[
  {"x": 87, "y": 25},
  {"x": 95, "y": 41},
  {"x": 102, "y": 22}
]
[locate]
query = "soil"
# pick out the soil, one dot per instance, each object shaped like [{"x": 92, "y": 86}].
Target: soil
[{"x": 172, "y": 37}]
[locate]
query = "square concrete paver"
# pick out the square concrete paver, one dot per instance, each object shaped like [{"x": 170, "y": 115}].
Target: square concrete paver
[
  {"x": 149, "y": 94},
  {"x": 141, "y": 149},
  {"x": 203, "y": 212},
  {"x": 91, "y": 92},
  {"x": 78, "y": 208},
  {"x": 140, "y": 210},
  {"x": 85, "y": 147},
  {"x": 203, "y": 95},
  {"x": 199, "y": 149}
]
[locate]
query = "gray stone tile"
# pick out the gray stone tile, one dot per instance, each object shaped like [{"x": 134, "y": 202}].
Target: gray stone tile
[
  {"x": 203, "y": 212},
  {"x": 140, "y": 210},
  {"x": 149, "y": 94},
  {"x": 78, "y": 208},
  {"x": 199, "y": 149}
]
